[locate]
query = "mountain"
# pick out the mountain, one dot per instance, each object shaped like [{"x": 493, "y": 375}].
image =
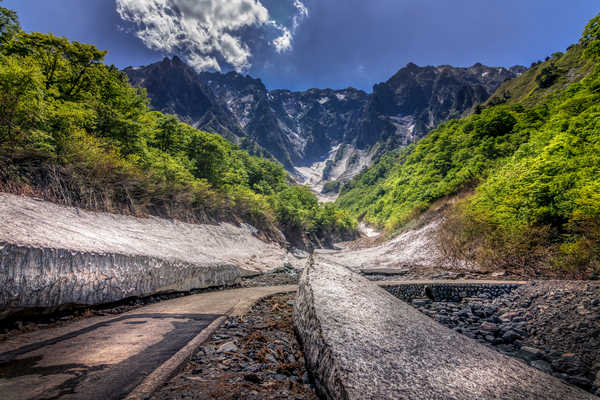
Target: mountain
[
  {"x": 417, "y": 99},
  {"x": 175, "y": 89},
  {"x": 320, "y": 135},
  {"x": 514, "y": 185}
]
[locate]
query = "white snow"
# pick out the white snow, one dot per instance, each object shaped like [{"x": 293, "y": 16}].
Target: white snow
[
  {"x": 368, "y": 231},
  {"x": 312, "y": 176},
  {"x": 323, "y": 100},
  {"x": 340, "y": 96},
  {"x": 247, "y": 99},
  {"x": 47, "y": 225}
]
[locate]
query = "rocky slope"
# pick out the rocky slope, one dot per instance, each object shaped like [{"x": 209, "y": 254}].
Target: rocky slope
[{"x": 320, "y": 135}]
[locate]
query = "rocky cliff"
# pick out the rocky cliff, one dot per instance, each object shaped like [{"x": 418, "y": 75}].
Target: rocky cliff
[{"x": 320, "y": 135}]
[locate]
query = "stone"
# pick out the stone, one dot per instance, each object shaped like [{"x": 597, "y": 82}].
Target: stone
[
  {"x": 542, "y": 365},
  {"x": 253, "y": 378},
  {"x": 305, "y": 378},
  {"x": 421, "y": 302},
  {"x": 580, "y": 381},
  {"x": 489, "y": 327},
  {"x": 530, "y": 353},
  {"x": 269, "y": 357},
  {"x": 568, "y": 363},
  {"x": 510, "y": 336},
  {"x": 490, "y": 310},
  {"x": 355, "y": 334},
  {"x": 228, "y": 347},
  {"x": 509, "y": 316}
]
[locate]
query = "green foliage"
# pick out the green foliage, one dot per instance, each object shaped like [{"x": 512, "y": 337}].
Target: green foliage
[
  {"x": 448, "y": 160},
  {"x": 591, "y": 38},
  {"x": 9, "y": 24},
  {"x": 547, "y": 76},
  {"x": 73, "y": 130},
  {"x": 21, "y": 97}
]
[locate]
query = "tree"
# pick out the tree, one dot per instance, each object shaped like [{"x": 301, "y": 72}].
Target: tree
[
  {"x": 209, "y": 155},
  {"x": 591, "y": 38},
  {"x": 9, "y": 24},
  {"x": 170, "y": 136},
  {"x": 66, "y": 65},
  {"x": 21, "y": 97}
]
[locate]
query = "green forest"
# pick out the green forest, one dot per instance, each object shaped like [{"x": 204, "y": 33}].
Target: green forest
[
  {"x": 74, "y": 131},
  {"x": 525, "y": 167}
]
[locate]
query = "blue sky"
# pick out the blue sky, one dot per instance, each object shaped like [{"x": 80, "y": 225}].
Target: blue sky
[{"x": 299, "y": 44}]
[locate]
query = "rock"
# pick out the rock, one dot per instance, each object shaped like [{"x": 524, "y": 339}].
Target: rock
[
  {"x": 530, "y": 353},
  {"x": 228, "y": 347},
  {"x": 305, "y": 378},
  {"x": 510, "y": 336},
  {"x": 253, "y": 378},
  {"x": 580, "y": 381},
  {"x": 597, "y": 382},
  {"x": 490, "y": 310},
  {"x": 269, "y": 357},
  {"x": 489, "y": 327},
  {"x": 509, "y": 316},
  {"x": 542, "y": 365},
  {"x": 568, "y": 363},
  {"x": 421, "y": 302}
]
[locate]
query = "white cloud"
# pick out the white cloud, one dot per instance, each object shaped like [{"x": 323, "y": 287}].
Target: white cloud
[
  {"x": 283, "y": 42},
  {"x": 207, "y": 33}
]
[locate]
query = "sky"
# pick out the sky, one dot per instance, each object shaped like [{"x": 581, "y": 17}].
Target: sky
[{"x": 301, "y": 44}]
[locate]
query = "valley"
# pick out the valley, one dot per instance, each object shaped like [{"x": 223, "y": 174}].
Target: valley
[{"x": 182, "y": 229}]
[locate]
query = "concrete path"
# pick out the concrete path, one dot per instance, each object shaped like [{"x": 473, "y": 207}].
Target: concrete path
[{"x": 112, "y": 357}]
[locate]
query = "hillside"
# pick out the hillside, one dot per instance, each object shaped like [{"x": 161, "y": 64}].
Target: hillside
[
  {"x": 527, "y": 165},
  {"x": 74, "y": 131},
  {"x": 322, "y": 136}
]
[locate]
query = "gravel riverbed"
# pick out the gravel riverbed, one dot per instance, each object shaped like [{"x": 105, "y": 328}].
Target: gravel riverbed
[
  {"x": 553, "y": 326},
  {"x": 253, "y": 357}
]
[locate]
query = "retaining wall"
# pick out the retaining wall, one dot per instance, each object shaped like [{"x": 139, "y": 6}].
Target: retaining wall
[{"x": 448, "y": 290}]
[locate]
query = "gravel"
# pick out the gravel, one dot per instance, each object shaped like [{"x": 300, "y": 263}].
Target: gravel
[
  {"x": 553, "y": 326},
  {"x": 252, "y": 357}
]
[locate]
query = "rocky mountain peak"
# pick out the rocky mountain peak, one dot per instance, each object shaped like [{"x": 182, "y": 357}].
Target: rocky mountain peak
[{"x": 320, "y": 134}]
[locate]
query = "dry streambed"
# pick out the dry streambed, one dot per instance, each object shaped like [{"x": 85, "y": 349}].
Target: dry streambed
[
  {"x": 252, "y": 357},
  {"x": 553, "y": 326}
]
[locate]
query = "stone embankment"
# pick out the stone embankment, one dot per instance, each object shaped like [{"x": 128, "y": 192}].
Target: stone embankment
[
  {"x": 449, "y": 290},
  {"x": 52, "y": 255},
  {"x": 360, "y": 342}
]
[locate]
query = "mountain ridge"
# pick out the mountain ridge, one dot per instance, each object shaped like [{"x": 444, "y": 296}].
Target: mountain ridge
[{"x": 321, "y": 135}]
